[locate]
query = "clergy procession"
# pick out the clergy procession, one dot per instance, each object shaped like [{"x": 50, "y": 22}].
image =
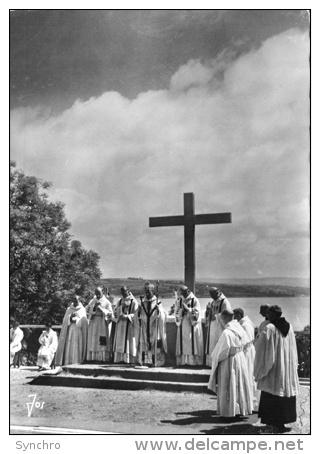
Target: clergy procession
[{"x": 250, "y": 370}]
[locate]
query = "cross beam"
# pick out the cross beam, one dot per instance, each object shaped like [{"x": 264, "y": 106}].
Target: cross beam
[{"x": 189, "y": 220}]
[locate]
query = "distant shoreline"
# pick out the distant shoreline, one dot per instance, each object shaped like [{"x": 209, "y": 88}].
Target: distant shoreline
[{"x": 166, "y": 288}]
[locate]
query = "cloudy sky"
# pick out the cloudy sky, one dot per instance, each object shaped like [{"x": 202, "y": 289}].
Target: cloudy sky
[{"x": 124, "y": 111}]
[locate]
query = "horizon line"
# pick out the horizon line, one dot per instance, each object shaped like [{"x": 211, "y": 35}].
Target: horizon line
[{"x": 209, "y": 278}]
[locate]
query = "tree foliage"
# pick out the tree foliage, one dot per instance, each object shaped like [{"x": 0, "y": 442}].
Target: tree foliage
[
  {"x": 304, "y": 352},
  {"x": 46, "y": 264}
]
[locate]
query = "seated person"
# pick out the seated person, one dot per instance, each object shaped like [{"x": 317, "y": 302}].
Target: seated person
[{"x": 49, "y": 343}]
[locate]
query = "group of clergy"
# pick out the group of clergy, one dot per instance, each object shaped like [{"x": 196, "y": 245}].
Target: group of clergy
[
  {"x": 249, "y": 371},
  {"x": 252, "y": 371},
  {"x": 127, "y": 332},
  {"x": 134, "y": 332}
]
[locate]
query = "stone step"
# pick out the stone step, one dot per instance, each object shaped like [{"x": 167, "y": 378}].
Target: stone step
[
  {"x": 168, "y": 374},
  {"x": 125, "y": 377},
  {"x": 107, "y": 382}
]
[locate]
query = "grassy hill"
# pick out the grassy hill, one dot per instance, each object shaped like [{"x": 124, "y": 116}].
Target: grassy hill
[
  {"x": 166, "y": 287},
  {"x": 273, "y": 281}
]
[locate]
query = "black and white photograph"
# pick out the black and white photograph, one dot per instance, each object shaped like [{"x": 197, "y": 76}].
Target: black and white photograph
[{"x": 160, "y": 226}]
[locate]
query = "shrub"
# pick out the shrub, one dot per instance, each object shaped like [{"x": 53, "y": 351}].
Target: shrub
[{"x": 304, "y": 352}]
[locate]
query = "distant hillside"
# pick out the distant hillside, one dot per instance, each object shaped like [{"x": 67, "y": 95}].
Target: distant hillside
[
  {"x": 234, "y": 288},
  {"x": 284, "y": 281}
]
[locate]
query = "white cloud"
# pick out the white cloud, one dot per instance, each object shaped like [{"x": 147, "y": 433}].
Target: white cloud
[{"x": 233, "y": 131}]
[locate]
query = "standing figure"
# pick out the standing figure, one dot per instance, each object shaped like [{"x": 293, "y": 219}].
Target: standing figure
[
  {"x": 264, "y": 312},
  {"x": 16, "y": 336},
  {"x": 49, "y": 343},
  {"x": 276, "y": 371},
  {"x": 214, "y": 325},
  {"x": 72, "y": 343},
  {"x": 113, "y": 323},
  {"x": 189, "y": 345},
  {"x": 151, "y": 329},
  {"x": 125, "y": 348},
  {"x": 100, "y": 313},
  {"x": 229, "y": 374},
  {"x": 249, "y": 352}
]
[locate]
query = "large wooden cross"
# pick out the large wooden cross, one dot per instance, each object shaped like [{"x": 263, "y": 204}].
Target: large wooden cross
[{"x": 189, "y": 220}]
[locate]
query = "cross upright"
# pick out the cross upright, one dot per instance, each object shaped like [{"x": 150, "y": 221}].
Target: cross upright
[{"x": 189, "y": 220}]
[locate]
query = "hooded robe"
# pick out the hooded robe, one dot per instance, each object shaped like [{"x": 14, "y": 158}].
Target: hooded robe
[
  {"x": 250, "y": 353},
  {"x": 214, "y": 324},
  {"x": 275, "y": 370},
  {"x": 229, "y": 374}
]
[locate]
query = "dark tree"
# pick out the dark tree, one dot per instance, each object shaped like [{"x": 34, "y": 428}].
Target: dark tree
[{"x": 46, "y": 265}]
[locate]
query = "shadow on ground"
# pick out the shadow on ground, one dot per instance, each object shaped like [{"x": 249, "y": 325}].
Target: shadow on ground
[{"x": 219, "y": 424}]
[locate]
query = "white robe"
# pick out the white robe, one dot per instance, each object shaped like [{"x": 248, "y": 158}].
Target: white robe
[
  {"x": 189, "y": 345},
  {"x": 72, "y": 345},
  {"x": 276, "y": 362},
  {"x": 262, "y": 326},
  {"x": 214, "y": 324},
  {"x": 49, "y": 344},
  {"x": 16, "y": 336},
  {"x": 150, "y": 324},
  {"x": 99, "y": 327},
  {"x": 125, "y": 346},
  {"x": 229, "y": 374},
  {"x": 250, "y": 353}
]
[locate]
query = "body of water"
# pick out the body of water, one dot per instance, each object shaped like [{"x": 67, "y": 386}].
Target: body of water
[{"x": 296, "y": 310}]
